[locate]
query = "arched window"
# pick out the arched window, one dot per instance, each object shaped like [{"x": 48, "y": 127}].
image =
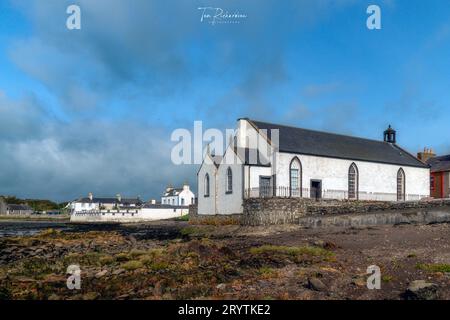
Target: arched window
[
  {"x": 229, "y": 188},
  {"x": 295, "y": 178},
  {"x": 353, "y": 182},
  {"x": 207, "y": 185},
  {"x": 401, "y": 185}
]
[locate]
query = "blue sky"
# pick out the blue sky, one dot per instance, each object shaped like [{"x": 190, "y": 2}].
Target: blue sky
[{"x": 92, "y": 110}]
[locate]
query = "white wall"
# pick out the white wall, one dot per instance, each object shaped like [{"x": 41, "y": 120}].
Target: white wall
[
  {"x": 256, "y": 172},
  {"x": 187, "y": 195},
  {"x": 173, "y": 200},
  {"x": 80, "y": 206},
  {"x": 373, "y": 177},
  {"x": 207, "y": 205},
  {"x": 230, "y": 203},
  {"x": 143, "y": 214}
]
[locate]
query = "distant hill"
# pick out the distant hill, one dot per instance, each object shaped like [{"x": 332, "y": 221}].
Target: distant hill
[{"x": 36, "y": 204}]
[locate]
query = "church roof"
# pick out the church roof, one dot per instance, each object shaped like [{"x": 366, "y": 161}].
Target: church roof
[
  {"x": 317, "y": 143},
  {"x": 439, "y": 164}
]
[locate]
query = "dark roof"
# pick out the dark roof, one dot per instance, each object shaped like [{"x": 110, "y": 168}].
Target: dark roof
[
  {"x": 19, "y": 207},
  {"x": 163, "y": 206},
  {"x": 438, "y": 164},
  {"x": 124, "y": 201},
  {"x": 310, "y": 142},
  {"x": 172, "y": 192}
]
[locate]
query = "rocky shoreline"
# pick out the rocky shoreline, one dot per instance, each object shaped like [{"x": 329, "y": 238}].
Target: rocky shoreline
[{"x": 175, "y": 260}]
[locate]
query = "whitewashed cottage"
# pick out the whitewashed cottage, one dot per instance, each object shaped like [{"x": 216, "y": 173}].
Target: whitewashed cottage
[
  {"x": 266, "y": 160},
  {"x": 178, "y": 196}
]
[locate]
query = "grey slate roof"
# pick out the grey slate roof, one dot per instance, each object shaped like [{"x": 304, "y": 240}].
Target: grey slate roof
[
  {"x": 172, "y": 192},
  {"x": 310, "y": 142},
  {"x": 439, "y": 164},
  {"x": 123, "y": 201},
  {"x": 19, "y": 207},
  {"x": 163, "y": 206}
]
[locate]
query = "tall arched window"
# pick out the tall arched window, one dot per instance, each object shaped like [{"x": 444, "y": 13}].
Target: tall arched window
[
  {"x": 353, "y": 182},
  {"x": 401, "y": 185},
  {"x": 207, "y": 185},
  {"x": 295, "y": 178},
  {"x": 229, "y": 184}
]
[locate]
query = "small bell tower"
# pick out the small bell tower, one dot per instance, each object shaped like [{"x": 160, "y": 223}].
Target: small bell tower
[{"x": 390, "y": 135}]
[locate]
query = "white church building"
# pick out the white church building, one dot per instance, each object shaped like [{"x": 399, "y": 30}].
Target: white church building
[{"x": 270, "y": 160}]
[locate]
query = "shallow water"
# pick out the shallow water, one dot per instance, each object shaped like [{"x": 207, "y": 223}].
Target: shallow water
[
  {"x": 28, "y": 228},
  {"x": 160, "y": 231}
]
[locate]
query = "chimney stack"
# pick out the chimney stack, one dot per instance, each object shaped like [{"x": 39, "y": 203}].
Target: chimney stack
[
  {"x": 426, "y": 154},
  {"x": 119, "y": 197},
  {"x": 153, "y": 201},
  {"x": 90, "y": 196}
]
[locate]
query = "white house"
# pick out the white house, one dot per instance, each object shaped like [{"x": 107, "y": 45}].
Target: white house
[
  {"x": 266, "y": 160},
  {"x": 178, "y": 196},
  {"x": 147, "y": 212},
  {"x": 91, "y": 203},
  {"x": 92, "y": 209}
]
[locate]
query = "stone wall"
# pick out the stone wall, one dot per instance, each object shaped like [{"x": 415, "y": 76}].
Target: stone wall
[
  {"x": 291, "y": 210},
  {"x": 407, "y": 216},
  {"x": 349, "y": 207},
  {"x": 265, "y": 211}
]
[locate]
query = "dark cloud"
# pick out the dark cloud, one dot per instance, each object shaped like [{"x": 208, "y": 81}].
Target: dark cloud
[
  {"x": 112, "y": 79},
  {"x": 70, "y": 159}
]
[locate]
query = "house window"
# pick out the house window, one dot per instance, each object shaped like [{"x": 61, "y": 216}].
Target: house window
[
  {"x": 353, "y": 182},
  {"x": 401, "y": 185},
  {"x": 295, "y": 178},
  {"x": 432, "y": 187},
  {"x": 229, "y": 180},
  {"x": 192, "y": 201},
  {"x": 206, "y": 185},
  {"x": 182, "y": 201}
]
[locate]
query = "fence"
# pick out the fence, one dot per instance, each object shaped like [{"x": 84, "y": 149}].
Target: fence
[{"x": 287, "y": 192}]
